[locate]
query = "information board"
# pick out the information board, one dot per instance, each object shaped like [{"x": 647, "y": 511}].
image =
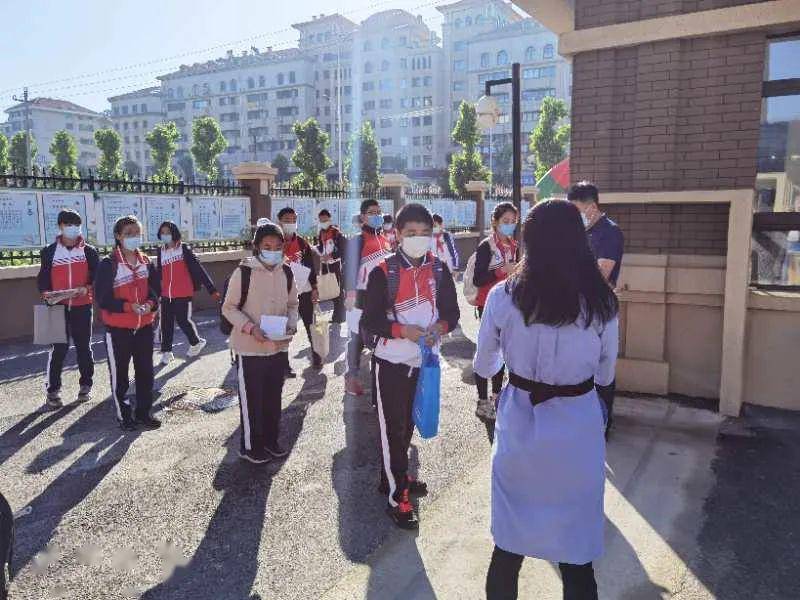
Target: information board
[
  {"x": 116, "y": 206},
  {"x": 19, "y": 220},
  {"x": 235, "y": 218},
  {"x": 305, "y": 208},
  {"x": 54, "y": 203},
  {"x": 277, "y": 204},
  {"x": 206, "y": 217},
  {"x": 332, "y": 206},
  {"x": 159, "y": 209},
  {"x": 347, "y": 209}
]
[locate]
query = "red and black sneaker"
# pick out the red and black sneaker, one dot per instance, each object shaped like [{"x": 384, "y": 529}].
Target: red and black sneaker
[
  {"x": 403, "y": 514},
  {"x": 416, "y": 487}
]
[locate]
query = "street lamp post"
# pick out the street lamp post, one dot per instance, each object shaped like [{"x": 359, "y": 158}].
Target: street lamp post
[{"x": 488, "y": 115}]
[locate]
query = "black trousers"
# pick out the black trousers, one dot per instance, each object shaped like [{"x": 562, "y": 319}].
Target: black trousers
[
  {"x": 180, "y": 310},
  {"x": 260, "y": 388},
  {"x": 502, "y": 581},
  {"x": 393, "y": 388},
  {"x": 338, "y": 302},
  {"x": 497, "y": 379},
  {"x": 123, "y": 345},
  {"x": 79, "y": 332},
  {"x": 306, "y": 309}
]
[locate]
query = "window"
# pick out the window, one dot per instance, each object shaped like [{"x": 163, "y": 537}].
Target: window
[
  {"x": 115, "y": 110},
  {"x": 502, "y": 58},
  {"x": 223, "y": 87},
  {"x": 404, "y": 121},
  {"x": 427, "y": 140},
  {"x": 403, "y": 63},
  {"x": 223, "y": 101},
  {"x": 530, "y": 53},
  {"x": 468, "y": 22},
  {"x": 286, "y": 111},
  {"x": 385, "y": 43},
  {"x": 179, "y": 92},
  {"x": 458, "y": 23},
  {"x": 124, "y": 110},
  {"x": 385, "y": 85},
  {"x": 144, "y": 124},
  {"x": 251, "y": 83},
  {"x": 416, "y": 140},
  {"x": 427, "y": 81},
  {"x": 386, "y": 103},
  {"x": 175, "y": 106},
  {"x": 368, "y": 86},
  {"x": 386, "y": 122},
  {"x": 536, "y": 95},
  {"x": 369, "y": 105},
  {"x": 459, "y": 65},
  {"x": 262, "y": 81},
  {"x": 459, "y": 86},
  {"x": 417, "y": 162},
  {"x": 485, "y": 59},
  {"x": 547, "y": 51},
  {"x": 199, "y": 104},
  {"x": 460, "y": 46},
  {"x": 775, "y": 252},
  {"x": 367, "y": 67},
  {"x": 233, "y": 85},
  {"x": 253, "y": 115},
  {"x": 284, "y": 94},
  {"x": 386, "y": 142},
  {"x": 427, "y": 120},
  {"x": 291, "y": 77},
  {"x": 416, "y": 82},
  {"x": 280, "y": 78},
  {"x": 415, "y": 121},
  {"x": 143, "y": 108},
  {"x": 385, "y": 65},
  {"x": 228, "y": 117},
  {"x": 427, "y": 162}
]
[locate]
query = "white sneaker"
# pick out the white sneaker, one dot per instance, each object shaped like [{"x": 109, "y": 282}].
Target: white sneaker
[
  {"x": 166, "y": 357},
  {"x": 197, "y": 348}
]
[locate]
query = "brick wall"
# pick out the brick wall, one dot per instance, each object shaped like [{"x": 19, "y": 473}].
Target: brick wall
[
  {"x": 672, "y": 115},
  {"x": 672, "y": 228},
  {"x": 595, "y": 13}
]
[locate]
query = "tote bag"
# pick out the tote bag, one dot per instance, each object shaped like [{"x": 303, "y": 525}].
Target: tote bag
[
  {"x": 49, "y": 324},
  {"x": 426, "y": 399},
  {"x": 328, "y": 286},
  {"x": 320, "y": 340}
]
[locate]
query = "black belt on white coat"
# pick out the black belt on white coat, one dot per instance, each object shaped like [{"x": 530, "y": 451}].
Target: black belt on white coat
[{"x": 542, "y": 392}]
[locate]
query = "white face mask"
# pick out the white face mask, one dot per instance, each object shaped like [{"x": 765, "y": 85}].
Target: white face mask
[
  {"x": 324, "y": 225},
  {"x": 289, "y": 228},
  {"x": 71, "y": 232},
  {"x": 416, "y": 246},
  {"x": 437, "y": 230}
]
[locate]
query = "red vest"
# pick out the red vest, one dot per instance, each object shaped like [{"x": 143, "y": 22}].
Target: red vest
[
  {"x": 131, "y": 286},
  {"x": 70, "y": 270},
  {"x": 505, "y": 252},
  {"x": 176, "y": 282},
  {"x": 374, "y": 249}
]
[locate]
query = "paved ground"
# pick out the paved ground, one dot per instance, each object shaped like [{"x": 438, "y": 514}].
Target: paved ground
[{"x": 696, "y": 508}]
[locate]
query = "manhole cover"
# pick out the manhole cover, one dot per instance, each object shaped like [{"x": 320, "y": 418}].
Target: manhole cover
[{"x": 209, "y": 400}]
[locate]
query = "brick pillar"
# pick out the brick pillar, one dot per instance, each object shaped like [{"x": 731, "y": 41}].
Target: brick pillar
[
  {"x": 476, "y": 190},
  {"x": 530, "y": 194},
  {"x": 395, "y": 185},
  {"x": 257, "y": 179}
]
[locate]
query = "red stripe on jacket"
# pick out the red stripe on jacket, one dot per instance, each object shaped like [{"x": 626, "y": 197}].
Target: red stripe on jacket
[{"x": 71, "y": 270}]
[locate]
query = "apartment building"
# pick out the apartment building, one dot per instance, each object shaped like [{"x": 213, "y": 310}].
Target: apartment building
[
  {"x": 46, "y": 116},
  {"x": 481, "y": 41},
  {"x": 133, "y": 115}
]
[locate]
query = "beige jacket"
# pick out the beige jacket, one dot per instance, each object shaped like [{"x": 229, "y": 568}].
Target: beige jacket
[{"x": 267, "y": 295}]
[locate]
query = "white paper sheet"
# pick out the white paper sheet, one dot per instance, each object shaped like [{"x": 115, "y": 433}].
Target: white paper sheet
[
  {"x": 274, "y": 327},
  {"x": 353, "y": 316},
  {"x": 301, "y": 273}
]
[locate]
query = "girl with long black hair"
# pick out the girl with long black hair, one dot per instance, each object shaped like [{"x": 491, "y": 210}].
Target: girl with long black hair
[{"x": 554, "y": 324}]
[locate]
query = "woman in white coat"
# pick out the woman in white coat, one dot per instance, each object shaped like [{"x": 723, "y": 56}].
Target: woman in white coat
[{"x": 554, "y": 324}]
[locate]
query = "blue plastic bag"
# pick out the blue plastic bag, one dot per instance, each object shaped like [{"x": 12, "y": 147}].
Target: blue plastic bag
[{"x": 426, "y": 400}]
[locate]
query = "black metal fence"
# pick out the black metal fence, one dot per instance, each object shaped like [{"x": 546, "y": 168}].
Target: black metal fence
[{"x": 88, "y": 182}]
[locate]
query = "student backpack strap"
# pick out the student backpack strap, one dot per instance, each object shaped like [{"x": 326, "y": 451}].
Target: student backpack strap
[
  {"x": 289, "y": 278},
  {"x": 392, "y": 280},
  {"x": 246, "y": 271}
]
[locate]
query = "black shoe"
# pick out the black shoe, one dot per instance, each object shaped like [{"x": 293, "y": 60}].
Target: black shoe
[
  {"x": 416, "y": 487},
  {"x": 275, "y": 451},
  {"x": 148, "y": 422},
  {"x": 290, "y": 374},
  {"x": 257, "y": 457},
  {"x": 403, "y": 514},
  {"x": 127, "y": 424}
]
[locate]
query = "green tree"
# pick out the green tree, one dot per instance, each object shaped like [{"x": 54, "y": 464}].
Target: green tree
[
  {"x": 5, "y": 164},
  {"x": 163, "y": 141},
  {"x": 185, "y": 164},
  {"x": 19, "y": 149},
  {"x": 109, "y": 142},
  {"x": 503, "y": 164},
  {"x": 466, "y": 166},
  {"x": 207, "y": 144},
  {"x": 64, "y": 151},
  {"x": 363, "y": 162},
  {"x": 549, "y": 140},
  {"x": 281, "y": 163},
  {"x": 310, "y": 156}
]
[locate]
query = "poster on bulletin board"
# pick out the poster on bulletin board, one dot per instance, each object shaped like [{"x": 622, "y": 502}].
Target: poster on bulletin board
[
  {"x": 305, "y": 209},
  {"x": 19, "y": 220},
  {"x": 158, "y": 209},
  {"x": 205, "y": 217},
  {"x": 54, "y": 203},
  {"x": 116, "y": 206},
  {"x": 348, "y": 208},
  {"x": 235, "y": 218}
]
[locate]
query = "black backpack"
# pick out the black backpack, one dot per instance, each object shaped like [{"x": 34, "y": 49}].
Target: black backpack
[
  {"x": 393, "y": 267},
  {"x": 225, "y": 326}
]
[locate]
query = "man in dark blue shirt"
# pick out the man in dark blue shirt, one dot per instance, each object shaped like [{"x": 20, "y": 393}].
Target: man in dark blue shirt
[{"x": 607, "y": 243}]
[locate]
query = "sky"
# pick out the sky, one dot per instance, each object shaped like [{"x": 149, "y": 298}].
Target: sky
[{"x": 87, "y": 50}]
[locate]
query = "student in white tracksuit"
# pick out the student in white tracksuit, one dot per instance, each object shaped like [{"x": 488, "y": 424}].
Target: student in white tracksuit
[{"x": 554, "y": 323}]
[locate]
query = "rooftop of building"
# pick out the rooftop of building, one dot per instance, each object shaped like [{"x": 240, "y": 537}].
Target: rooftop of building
[
  {"x": 462, "y": 4},
  {"x": 153, "y": 91},
  {"x": 526, "y": 25},
  {"x": 253, "y": 57},
  {"x": 346, "y": 23},
  {"x": 55, "y": 104}
]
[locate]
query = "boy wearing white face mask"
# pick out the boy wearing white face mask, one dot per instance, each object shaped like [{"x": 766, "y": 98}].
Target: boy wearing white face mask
[
  {"x": 70, "y": 264},
  {"x": 410, "y": 296},
  {"x": 128, "y": 288},
  {"x": 297, "y": 250}
]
